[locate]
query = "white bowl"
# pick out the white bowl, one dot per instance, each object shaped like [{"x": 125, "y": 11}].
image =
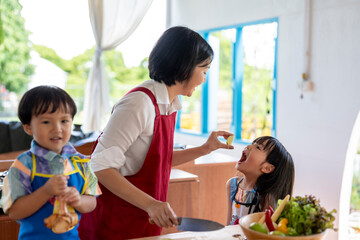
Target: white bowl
[{"x": 245, "y": 222}]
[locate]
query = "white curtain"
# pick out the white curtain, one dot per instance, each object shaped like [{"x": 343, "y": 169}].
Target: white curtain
[{"x": 112, "y": 21}]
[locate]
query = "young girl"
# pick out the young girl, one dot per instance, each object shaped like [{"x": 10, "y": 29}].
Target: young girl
[
  {"x": 267, "y": 175},
  {"x": 51, "y": 168}
]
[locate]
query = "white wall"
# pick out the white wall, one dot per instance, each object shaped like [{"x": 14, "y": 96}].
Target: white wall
[{"x": 316, "y": 129}]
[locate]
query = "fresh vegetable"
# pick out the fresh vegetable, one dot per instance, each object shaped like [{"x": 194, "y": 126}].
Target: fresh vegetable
[
  {"x": 258, "y": 227},
  {"x": 277, "y": 211},
  {"x": 268, "y": 220},
  {"x": 262, "y": 219},
  {"x": 282, "y": 226},
  {"x": 278, "y": 233},
  {"x": 230, "y": 139},
  {"x": 280, "y": 208},
  {"x": 271, "y": 210},
  {"x": 298, "y": 217},
  {"x": 306, "y": 216}
]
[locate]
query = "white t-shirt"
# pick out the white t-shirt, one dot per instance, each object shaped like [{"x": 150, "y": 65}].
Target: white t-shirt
[{"x": 128, "y": 134}]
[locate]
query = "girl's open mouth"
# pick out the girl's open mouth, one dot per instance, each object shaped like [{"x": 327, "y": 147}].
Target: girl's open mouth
[{"x": 243, "y": 157}]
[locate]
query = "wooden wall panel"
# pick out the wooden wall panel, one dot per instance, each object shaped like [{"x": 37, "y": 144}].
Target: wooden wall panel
[
  {"x": 183, "y": 197},
  {"x": 9, "y": 229},
  {"x": 212, "y": 188},
  {"x": 85, "y": 148}
]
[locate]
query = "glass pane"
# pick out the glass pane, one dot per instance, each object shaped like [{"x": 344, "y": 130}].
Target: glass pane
[
  {"x": 190, "y": 117},
  {"x": 224, "y": 74},
  {"x": 259, "y": 50}
]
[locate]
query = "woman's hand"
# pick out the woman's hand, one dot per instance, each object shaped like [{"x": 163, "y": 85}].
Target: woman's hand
[
  {"x": 213, "y": 142},
  {"x": 162, "y": 214}
]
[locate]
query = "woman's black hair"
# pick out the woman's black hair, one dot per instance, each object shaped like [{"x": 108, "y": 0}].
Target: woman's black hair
[
  {"x": 43, "y": 99},
  {"x": 277, "y": 184},
  {"x": 176, "y": 54}
]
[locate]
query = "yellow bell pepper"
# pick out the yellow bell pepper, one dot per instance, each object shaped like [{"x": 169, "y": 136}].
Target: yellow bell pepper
[{"x": 282, "y": 225}]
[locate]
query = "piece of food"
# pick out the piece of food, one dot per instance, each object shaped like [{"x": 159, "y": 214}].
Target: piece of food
[
  {"x": 258, "y": 227},
  {"x": 278, "y": 233},
  {"x": 277, "y": 211},
  {"x": 262, "y": 219},
  {"x": 282, "y": 226},
  {"x": 230, "y": 139},
  {"x": 280, "y": 208},
  {"x": 268, "y": 221},
  {"x": 63, "y": 220},
  {"x": 271, "y": 210}
]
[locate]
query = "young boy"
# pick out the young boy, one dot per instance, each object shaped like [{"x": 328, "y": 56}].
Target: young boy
[{"x": 51, "y": 168}]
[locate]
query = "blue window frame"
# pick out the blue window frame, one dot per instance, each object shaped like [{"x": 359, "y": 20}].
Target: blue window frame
[{"x": 239, "y": 81}]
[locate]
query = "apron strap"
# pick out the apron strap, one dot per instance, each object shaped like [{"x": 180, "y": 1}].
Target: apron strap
[
  {"x": 151, "y": 96},
  {"x": 254, "y": 201}
]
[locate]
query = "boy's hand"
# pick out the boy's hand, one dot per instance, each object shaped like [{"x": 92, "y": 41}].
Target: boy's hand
[
  {"x": 56, "y": 185},
  {"x": 72, "y": 197}
]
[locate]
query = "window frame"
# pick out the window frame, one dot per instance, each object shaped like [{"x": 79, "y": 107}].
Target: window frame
[{"x": 237, "y": 84}]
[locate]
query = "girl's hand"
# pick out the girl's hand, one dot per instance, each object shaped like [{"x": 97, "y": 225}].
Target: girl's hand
[
  {"x": 162, "y": 214},
  {"x": 56, "y": 185},
  {"x": 72, "y": 197},
  {"x": 213, "y": 142}
]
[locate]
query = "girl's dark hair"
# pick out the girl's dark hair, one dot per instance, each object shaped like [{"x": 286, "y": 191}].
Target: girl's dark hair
[
  {"x": 43, "y": 99},
  {"x": 277, "y": 184},
  {"x": 176, "y": 54}
]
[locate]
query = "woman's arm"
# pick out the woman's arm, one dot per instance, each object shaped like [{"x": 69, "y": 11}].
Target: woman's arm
[
  {"x": 160, "y": 212},
  {"x": 212, "y": 143},
  {"x": 228, "y": 200}
]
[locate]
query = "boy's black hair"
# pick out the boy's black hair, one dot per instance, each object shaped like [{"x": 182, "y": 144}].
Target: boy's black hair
[
  {"x": 43, "y": 99},
  {"x": 277, "y": 184},
  {"x": 176, "y": 54}
]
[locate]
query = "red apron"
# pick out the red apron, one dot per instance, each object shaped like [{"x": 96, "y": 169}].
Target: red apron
[{"x": 114, "y": 218}]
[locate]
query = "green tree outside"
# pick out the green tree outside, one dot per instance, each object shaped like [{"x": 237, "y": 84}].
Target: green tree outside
[
  {"x": 2, "y": 35},
  {"x": 355, "y": 189},
  {"x": 120, "y": 78},
  {"x": 15, "y": 68}
]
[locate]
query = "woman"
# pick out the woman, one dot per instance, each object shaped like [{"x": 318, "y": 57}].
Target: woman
[{"x": 134, "y": 155}]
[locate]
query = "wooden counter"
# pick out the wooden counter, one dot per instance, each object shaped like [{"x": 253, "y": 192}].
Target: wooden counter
[
  {"x": 9, "y": 229},
  {"x": 213, "y": 171},
  {"x": 6, "y": 159},
  {"x": 183, "y": 195}
]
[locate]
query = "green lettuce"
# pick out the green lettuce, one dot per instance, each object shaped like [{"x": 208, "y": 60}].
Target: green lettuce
[{"x": 306, "y": 216}]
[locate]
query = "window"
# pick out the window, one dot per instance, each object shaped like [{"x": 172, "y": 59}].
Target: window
[
  {"x": 240, "y": 92},
  {"x": 349, "y": 211}
]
